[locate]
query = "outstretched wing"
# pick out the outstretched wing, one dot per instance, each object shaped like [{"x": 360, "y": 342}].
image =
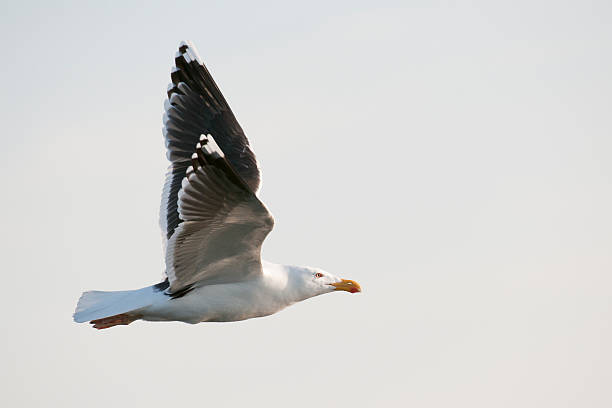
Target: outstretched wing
[
  {"x": 196, "y": 106},
  {"x": 223, "y": 223}
]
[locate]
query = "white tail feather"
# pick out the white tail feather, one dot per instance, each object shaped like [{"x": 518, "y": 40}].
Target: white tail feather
[{"x": 96, "y": 304}]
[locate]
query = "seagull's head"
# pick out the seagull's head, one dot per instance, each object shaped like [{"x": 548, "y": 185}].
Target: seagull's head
[{"x": 316, "y": 281}]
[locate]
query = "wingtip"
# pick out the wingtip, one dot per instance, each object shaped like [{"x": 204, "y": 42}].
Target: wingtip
[
  {"x": 187, "y": 47},
  {"x": 183, "y": 45}
]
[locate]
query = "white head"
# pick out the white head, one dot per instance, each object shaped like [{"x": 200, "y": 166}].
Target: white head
[{"x": 307, "y": 282}]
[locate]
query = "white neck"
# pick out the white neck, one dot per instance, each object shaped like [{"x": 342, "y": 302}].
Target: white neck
[{"x": 289, "y": 282}]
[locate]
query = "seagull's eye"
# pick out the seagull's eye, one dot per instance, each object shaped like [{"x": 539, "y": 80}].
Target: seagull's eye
[{"x": 318, "y": 275}]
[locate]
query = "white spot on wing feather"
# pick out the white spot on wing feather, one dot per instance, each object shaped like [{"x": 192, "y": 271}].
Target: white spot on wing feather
[
  {"x": 212, "y": 148},
  {"x": 192, "y": 50}
]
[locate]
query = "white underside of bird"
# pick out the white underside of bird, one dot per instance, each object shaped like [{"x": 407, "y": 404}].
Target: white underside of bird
[
  {"x": 277, "y": 287},
  {"x": 212, "y": 222}
]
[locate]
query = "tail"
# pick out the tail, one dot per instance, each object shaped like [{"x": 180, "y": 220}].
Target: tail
[{"x": 107, "y": 309}]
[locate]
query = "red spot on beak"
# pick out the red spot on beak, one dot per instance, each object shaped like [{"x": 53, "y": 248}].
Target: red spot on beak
[{"x": 347, "y": 285}]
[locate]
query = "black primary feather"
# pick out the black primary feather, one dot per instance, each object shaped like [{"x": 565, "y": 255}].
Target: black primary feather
[{"x": 196, "y": 106}]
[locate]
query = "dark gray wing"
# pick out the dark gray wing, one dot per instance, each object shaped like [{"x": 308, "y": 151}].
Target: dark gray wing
[
  {"x": 224, "y": 224},
  {"x": 196, "y": 106}
]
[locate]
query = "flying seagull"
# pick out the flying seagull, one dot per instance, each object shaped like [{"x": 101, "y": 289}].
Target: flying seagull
[{"x": 213, "y": 224}]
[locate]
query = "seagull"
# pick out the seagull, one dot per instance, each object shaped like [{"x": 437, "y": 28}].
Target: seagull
[{"x": 213, "y": 224}]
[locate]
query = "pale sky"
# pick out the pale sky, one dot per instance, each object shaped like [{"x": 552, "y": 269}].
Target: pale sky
[{"x": 452, "y": 157}]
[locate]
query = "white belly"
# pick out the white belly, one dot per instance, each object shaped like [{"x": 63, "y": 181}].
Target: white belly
[{"x": 217, "y": 303}]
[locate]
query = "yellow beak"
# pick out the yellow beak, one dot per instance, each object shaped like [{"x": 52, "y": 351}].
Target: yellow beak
[{"x": 347, "y": 285}]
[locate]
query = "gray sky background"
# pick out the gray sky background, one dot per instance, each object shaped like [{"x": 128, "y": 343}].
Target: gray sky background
[{"x": 452, "y": 157}]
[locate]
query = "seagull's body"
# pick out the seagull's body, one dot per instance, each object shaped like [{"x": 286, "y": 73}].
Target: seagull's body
[
  {"x": 212, "y": 222},
  {"x": 264, "y": 295}
]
